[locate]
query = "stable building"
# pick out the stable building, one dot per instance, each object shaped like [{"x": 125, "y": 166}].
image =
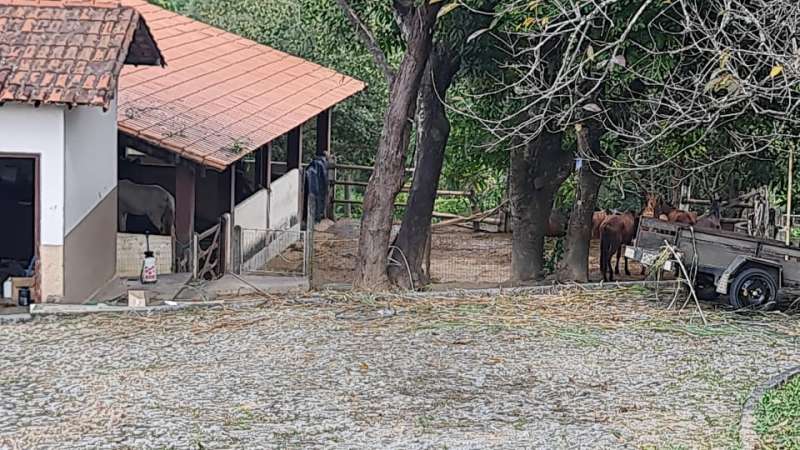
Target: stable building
[
  {"x": 59, "y": 72},
  {"x": 219, "y": 134}
]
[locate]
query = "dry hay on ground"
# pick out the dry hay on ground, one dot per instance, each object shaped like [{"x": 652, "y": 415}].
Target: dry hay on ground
[{"x": 610, "y": 369}]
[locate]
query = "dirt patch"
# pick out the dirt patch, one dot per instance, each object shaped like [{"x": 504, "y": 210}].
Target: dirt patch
[{"x": 460, "y": 257}]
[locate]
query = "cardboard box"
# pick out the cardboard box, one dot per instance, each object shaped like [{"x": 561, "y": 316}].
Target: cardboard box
[
  {"x": 137, "y": 299},
  {"x": 21, "y": 282}
]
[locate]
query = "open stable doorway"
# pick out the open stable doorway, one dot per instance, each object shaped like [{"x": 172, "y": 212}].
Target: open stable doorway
[{"x": 19, "y": 229}]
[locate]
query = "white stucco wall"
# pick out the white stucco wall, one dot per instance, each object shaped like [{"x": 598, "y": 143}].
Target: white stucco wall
[
  {"x": 40, "y": 131},
  {"x": 284, "y": 202},
  {"x": 90, "y": 161},
  {"x": 260, "y": 246},
  {"x": 30, "y": 130},
  {"x": 251, "y": 214}
]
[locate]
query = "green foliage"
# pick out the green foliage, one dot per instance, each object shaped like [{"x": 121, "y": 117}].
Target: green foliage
[
  {"x": 553, "y": 255},
  {"x": 778, "y": 417}
]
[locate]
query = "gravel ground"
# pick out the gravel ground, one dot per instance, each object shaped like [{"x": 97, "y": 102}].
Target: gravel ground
[{"x": 576, "y": 370}]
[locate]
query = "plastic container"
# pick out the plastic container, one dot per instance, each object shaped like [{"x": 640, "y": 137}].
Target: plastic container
[{"x": 24, "y": 296}]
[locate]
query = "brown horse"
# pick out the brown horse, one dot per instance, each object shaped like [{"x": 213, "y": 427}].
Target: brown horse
[
  {"x": 681, "y": 216},
  {"x": 655, "y": 206},
  {"x": 712, "y": 219},
  {"x": 616, "y": 231},
  {"x": 598, "y": 217},
  {"x": 652, "y": 205}
]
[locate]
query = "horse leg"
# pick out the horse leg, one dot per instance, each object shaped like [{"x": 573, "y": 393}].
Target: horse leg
[
  {"x": 603, "y": 257},
  {"x": 619, "y": 253},
  {"x": 627, "y": 271}
]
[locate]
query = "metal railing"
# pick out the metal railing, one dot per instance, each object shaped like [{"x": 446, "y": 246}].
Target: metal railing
[{"x": 271, "y": 252}]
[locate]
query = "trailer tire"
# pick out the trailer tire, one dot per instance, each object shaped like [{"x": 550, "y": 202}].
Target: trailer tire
[{"x": 754, "y": 288}]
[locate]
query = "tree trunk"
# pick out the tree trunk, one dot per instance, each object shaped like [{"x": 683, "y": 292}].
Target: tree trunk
[
  {"x": 575, "y": 264},
  {"x": 387, "y": 176},
  {"x": 434, "y": 130},
  {"x": 537, "y": 171}
]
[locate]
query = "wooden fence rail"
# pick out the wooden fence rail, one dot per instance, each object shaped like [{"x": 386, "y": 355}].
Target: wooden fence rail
[{"x": 476, "y": 220}]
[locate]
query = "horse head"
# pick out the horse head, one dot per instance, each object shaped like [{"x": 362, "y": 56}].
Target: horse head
[{"x": 652, "y": 205}]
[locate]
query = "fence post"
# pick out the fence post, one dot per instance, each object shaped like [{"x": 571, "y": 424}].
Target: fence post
[
  {"x": 237, "y": 250},
  {"x": 195, "y": 256},
  {"x": 330, "y": 206},
  {"x": 226, "y": 246},
  {"x": 348, "y": 210},
  {"x": 309, "y": 238}
]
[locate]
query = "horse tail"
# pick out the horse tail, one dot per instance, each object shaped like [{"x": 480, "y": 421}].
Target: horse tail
[{"x": 168, "y": 214}]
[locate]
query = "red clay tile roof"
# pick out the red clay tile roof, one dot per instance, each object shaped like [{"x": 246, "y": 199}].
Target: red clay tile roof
[
  {"x": 221, "y": 96},
  {"x": 68, "y": 52}
]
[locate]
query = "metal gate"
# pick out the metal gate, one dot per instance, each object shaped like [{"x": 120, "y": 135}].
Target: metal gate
[{"x": 271, "y": 252}]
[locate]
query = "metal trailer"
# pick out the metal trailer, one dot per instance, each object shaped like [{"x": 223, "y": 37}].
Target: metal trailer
[{"x": 749, "y": 270}]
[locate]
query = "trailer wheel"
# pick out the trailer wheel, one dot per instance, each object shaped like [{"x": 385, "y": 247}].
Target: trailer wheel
[{"x": 754, "y": 288}]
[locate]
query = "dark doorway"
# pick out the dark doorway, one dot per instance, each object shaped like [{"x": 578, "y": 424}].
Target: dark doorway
[{"x": 18, "y": 204}]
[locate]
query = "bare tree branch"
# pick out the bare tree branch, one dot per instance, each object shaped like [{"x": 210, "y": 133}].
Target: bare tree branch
[
  {"x": 368, "y": 39},
  {"x": 701, "y": 82}
]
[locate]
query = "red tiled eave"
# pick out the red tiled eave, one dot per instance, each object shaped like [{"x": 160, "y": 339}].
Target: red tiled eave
[
  {"x": 69, "y": 52},
  {"x": 221, "y": 96}
]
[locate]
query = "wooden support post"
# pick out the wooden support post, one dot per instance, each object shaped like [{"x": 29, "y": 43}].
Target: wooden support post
[
  {"x": 184, "y": 215},
  {"x": 268, "y": 162},
  {"x": 261, "y": 167},
  {"x": 294, "y": 149},
  {"x": 324, "y": 133},
  {"x": 232, "y": 192},
  {"x": 294, "y": 160}
]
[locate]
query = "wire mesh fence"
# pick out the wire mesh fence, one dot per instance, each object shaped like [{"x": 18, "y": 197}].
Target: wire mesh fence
[
  {"x": 278, "y": 252},
  {"x": 460, "y": 255}
]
